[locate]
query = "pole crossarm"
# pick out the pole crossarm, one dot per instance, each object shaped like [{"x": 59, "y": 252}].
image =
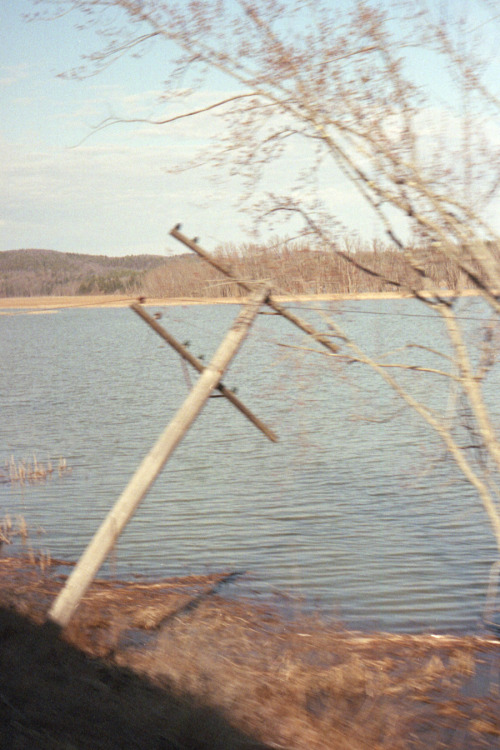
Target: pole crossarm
[
  {"x": 299, "y": 322},
  {"x": 106, "y": 536},
  {"x": 197, "y": 364}
]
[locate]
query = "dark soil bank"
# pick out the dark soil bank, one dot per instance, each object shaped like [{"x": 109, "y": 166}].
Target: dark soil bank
[{"x": 53, "y": 695}]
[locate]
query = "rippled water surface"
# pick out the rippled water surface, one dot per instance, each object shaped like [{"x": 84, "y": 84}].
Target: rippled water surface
[{"x": 356, "y": 508}]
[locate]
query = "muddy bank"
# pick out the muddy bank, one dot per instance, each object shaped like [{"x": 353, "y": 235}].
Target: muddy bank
[{"x": 174, "y": 664}]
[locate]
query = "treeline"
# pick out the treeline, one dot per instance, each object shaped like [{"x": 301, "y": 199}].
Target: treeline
[
  {"x": 296, "y": 268},
  {"x": 292, "y": 268},
  {"x": 31, "y": 273}
]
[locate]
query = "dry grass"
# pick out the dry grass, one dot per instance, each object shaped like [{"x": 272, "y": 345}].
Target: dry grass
[
  {"x": 32, "y": 471},
  {"x": 301, "y": 683},
  {"x": 308, "y": 685},
  {"x": 12, "y": 528}
]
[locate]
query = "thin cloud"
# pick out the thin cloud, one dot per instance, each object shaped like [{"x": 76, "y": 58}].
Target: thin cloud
[{"x": 112, "y": 199}]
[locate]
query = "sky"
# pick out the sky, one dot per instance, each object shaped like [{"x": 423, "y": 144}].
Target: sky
[
  {"x": 65, "y": 187},
  {"x": 113, "y": 193}
]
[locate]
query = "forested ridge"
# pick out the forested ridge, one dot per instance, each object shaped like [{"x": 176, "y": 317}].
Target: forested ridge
[
  {"x": 36, "y": 272},
  {"x": 290, "y": 267}
]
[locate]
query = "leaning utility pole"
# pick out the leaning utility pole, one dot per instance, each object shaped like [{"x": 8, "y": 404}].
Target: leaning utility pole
[{"x": 86, "y": 569}]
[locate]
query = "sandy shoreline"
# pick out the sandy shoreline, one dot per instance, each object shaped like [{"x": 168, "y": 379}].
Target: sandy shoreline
[{"x": 53, "y": 303}]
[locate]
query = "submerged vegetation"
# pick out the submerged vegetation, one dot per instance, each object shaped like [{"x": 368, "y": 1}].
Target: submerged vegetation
[
  {"x": 12, "y": 528},
  {"x": 31, "y": 470}
]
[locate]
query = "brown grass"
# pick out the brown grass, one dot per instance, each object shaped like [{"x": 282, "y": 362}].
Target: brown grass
[
  {"x": 31, "y": 470},
  {"x": 12, "y": 528},
  {"x": 234, "y": 673}
]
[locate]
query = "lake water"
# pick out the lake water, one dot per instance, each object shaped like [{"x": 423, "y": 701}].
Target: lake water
[{"x": 356, "y": 510}]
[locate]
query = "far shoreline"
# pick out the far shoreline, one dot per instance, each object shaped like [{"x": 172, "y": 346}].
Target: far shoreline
[{"x": 54, "y": 303}]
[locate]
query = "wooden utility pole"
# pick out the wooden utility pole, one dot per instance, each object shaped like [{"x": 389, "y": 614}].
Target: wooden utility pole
[
  {"x": 86, "y": 569},
  {"x": 198, "y": 365}
]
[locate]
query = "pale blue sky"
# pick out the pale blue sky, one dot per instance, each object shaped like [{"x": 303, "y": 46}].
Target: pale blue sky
[{"x": 112, "y": 194}]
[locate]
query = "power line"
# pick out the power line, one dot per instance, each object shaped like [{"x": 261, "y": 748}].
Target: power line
[
  {"x": 391, "y": 314},
  {"x": 112, "y": 302}
]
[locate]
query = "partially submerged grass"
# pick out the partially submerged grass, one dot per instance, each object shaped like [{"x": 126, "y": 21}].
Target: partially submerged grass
[
  {"x": 15, "y": 529},
  {"x": 308, "y": 684},
  {"x": 32, "y": 471},
  {"x": 296, "y": 683},
  {"x": 12, "y": 528}
]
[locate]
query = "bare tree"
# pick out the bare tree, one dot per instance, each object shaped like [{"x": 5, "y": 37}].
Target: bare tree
[{"x": 353, "y": 85}]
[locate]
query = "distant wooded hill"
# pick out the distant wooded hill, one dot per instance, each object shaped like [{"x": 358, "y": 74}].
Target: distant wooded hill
[
  {"x": 291, "y": 268},
  {"x": 31, "y": 273}
]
